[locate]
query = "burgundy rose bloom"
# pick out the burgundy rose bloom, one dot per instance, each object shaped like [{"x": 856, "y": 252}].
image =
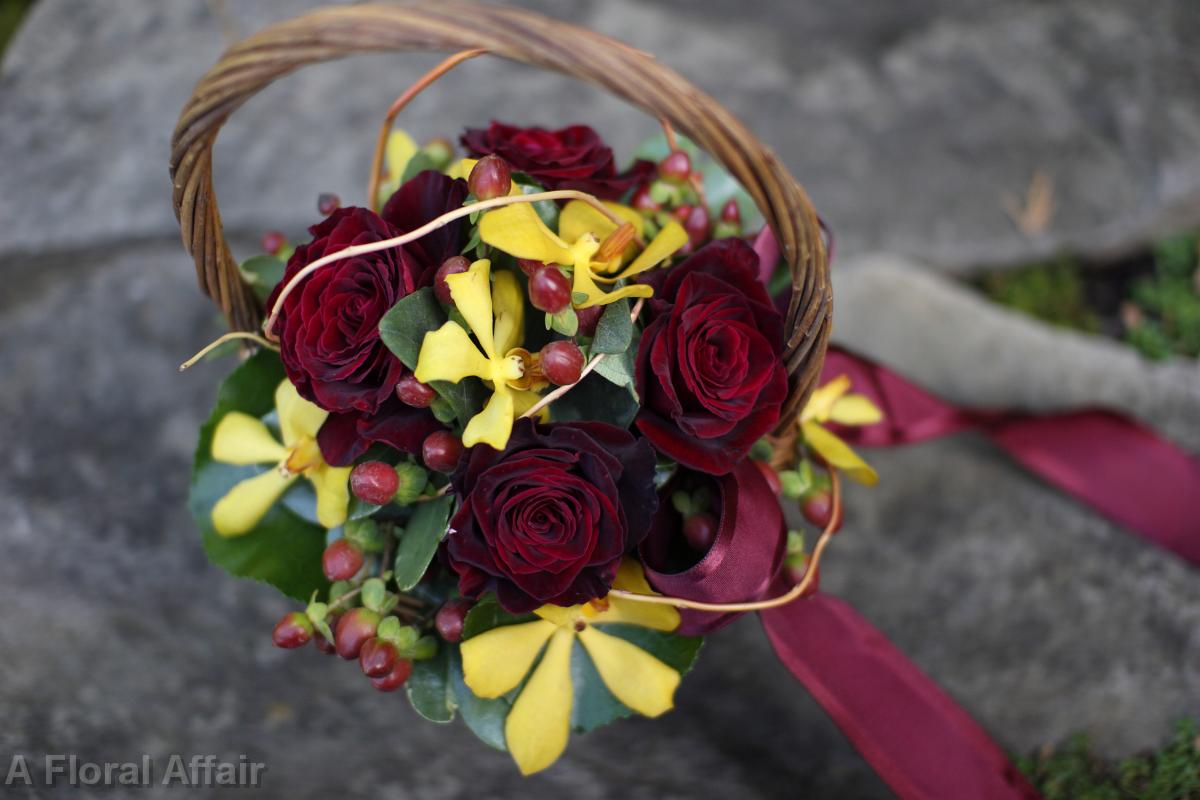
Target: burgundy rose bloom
[
  {"x": 709, "y": 365},
  {"x": 570, "y": 158},
  {"x": 348, "y": 432},
  {"x": 548, "y": 519},
  {"x": 328, "y": 326}
]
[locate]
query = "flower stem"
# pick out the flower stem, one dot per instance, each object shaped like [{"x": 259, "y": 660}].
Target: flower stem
[
  {"x": 398, "y": 105},
  {"x": 810, "y": 574},
  {"x": 426, "y": 229},
  {"x": 228, "y": 337}
]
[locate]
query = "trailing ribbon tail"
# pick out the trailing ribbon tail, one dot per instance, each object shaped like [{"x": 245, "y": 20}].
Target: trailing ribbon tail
[
  {"x": 922, "y": 743},
  {"x": 1107, "y": 460}
]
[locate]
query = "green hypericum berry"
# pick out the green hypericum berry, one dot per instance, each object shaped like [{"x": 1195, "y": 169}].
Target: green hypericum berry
[
  {"x": 413, "y": 478},
  {"x": 425, "y": 647},
  {"x": 792, "y": 484},
  {"x": 795, "y": 543},
  {"x": 366, "y": 534},
  {"x": 761, "y": 451}
]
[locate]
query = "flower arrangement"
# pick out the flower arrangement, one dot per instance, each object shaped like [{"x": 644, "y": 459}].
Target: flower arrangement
[{"x": 517, "y": 432}]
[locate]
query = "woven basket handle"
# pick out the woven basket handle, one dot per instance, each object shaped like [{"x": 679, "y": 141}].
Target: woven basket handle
[{"x": 331, "y": 33}]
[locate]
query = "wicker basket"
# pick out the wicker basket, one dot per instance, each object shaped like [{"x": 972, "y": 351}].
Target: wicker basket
[{"x": 331, "y": 33}]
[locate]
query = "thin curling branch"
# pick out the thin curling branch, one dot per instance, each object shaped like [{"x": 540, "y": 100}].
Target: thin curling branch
[
  {"x": 810, "y": 574},
  {"x": 591, "y": 365},
  {"x": 398, "y": 105},
  {"x": 228, "y": 337},
  {"x": 424, "y": 230}
]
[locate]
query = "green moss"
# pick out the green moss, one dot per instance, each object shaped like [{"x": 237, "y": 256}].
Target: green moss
[
  {"x": 1072, "y": 772},
  {"x": 1053, "y": 292},
  {"x": 1169, "y": 302}
]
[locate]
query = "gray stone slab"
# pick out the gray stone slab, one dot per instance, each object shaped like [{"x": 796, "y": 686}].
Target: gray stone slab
[{"x": 910, "y": 122}]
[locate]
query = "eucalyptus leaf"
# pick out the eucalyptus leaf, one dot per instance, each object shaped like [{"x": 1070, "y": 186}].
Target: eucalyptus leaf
[
  {"x": 283, "y": 549},
  {"x": 614, "y": 329},
  {"x": 617, "y": 368},
  {"x": 420, "y": 540},
  {"x": 598, "y": 399},
  {"x": 404, "y": 326}
]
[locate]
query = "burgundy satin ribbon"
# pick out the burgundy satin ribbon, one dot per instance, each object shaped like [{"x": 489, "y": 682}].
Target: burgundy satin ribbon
[{"x": 1110, "y": 462}]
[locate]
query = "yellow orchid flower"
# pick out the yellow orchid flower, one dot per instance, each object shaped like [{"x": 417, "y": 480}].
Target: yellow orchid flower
[
  {"x": 399, "y": 150},
  {"x": 461, "y": 168},
  {"x": 831, "y": 403},
  {"x": 448, "y": 354},
  {"x": 538, "y": 726},
  {"x": 520, "y": 232},
  {"x": 242, "y": 439}
]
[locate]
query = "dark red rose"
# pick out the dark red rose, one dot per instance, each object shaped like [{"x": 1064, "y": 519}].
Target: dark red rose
[
  {"x": 349, "y": 431},
  {"x": 548, "y": 519},
  {"x": 570, "y": 158},
  {"x": 709, "y": 366}
]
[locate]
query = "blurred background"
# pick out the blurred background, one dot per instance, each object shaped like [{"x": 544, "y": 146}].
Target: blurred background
[{"x": 1015, "y": 190}]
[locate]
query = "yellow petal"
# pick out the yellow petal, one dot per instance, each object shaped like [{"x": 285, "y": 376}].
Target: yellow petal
[
  {"x": 248, "y": 502},
  {"x": 508, "y": 304},
  {"x": 242, "y": 439},
  {"x": 630, "y": 578},
  {"x": 578, "y": 218},
  {"x": 461, "y": 168},
  {"x": 298, "y": 418},
  {"x": 855, "y": 409},
  {"x": 493, "y": 424},
  {"x": 661, "y": 247},
  {"x": 400, "y": 150},
  {"x": 332, "y": 485},
  {"x": 584, "y": 283},
  {"x": 523, "y": 401},
  {"x": 448, "y": 354},
  {"x": 472, "y": 293},
  {"x": 636, "y": 678},
  {"x": 838, "y": 453},
  {"x": 520, "y": 232},
  {"x": 496, "y": 661},
  {"x": 562, "y": 616},
  {"x": 822, "y": 399},
  {"x": 539, "y": 724}
]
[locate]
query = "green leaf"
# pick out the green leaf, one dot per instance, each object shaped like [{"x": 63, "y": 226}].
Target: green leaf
[
  {"x": 565, "y": 322},
  {"x": 487, "y": 614},
  {"x": 596, "y": 398},
  {"x": 465, "y": 397},
  {"x": 431, "y": 689},
  {"x": 417, "y": 164},
  {"x": 420, "y": 540},
  {"x": 485, "y": 718},
  {"x": 614, "y": 330},
  {"x": 283, "y": 549},
  {"x": 404, "y": 326},
  {"x": 547, "y": 210},
  {"x": 263, "y": 273},
  {"x": 617, "y": 368}
]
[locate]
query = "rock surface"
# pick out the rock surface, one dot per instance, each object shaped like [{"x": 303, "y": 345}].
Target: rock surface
[{"x": 1041, "y": 617}]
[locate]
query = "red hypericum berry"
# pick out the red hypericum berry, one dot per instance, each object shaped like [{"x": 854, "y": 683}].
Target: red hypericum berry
[
  {"x": 676, "y": 167},
  {"x": 374, "y": 482},
  {"x": 413, "y": 393},
  {"x": 449, "y": 619},
  {"x": 680, "y": 213},
  {"x": 817, "y": 508},
  {"x": 530, "y": 265},
  {"x": 324, "y": 645},
  {"x": 394, "y": 679},
  {"x": 377, "y": 657},
  {"x": 642, "y": 200},
  {"x": 697, "y": 225},
  {"x": 700, "y": 530},
  {"x": 294, "y": 630},
  {"x": 562, "y": 362},
  {"x": 490, "y": 177},
  {"x": 353, "y": 630},
  {"x": 440, "y": 451},
  {"x": 796, "y": 573},
  {"x": 342, "y": 560},
  {"x": 549, "y": 289},
  {"x": 328, "y": 202},
  {"x": 771, "y": 476},
  {"x": 730, "y": 212},
  {"x": 451, "y": 266},
  {"x": 588, "y": 319},
  {"x": 272, "y": 242}
]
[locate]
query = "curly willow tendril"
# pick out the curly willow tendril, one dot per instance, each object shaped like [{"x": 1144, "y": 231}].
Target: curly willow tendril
[{"x": 810, "y": 574}]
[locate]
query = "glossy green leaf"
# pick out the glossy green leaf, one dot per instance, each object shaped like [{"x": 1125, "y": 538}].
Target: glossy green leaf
[
  {"x": 416, "y": 165},
  {"x": 485, "y": 718},
  {"x": 283, "y": 550},
  {"x": 420, "y": 540},
  {"x": 404, "y": 326},
  {"x": 430, "y": 688},
  {"x": 262, "y": 273}
]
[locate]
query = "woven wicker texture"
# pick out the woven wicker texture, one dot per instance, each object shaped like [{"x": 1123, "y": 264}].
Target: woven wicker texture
[{"x": 638, "y": 78}]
